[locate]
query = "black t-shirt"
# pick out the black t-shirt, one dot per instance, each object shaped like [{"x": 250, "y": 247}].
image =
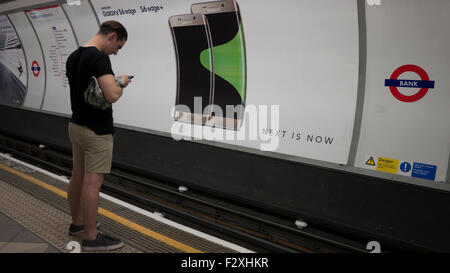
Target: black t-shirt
[{"x": 80, "y": 66}]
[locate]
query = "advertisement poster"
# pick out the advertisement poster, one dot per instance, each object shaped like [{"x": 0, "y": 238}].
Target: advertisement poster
[
  {"x": 292, "y": 92},
  {"x": 57, "y": 40},
  {"x": 13, "y": 72}
]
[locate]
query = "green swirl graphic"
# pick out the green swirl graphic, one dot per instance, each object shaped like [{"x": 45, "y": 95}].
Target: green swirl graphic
[{"x": 229, "y": 62}]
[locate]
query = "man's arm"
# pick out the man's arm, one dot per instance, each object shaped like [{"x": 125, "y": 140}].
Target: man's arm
[{"x": 111, "y": 90}]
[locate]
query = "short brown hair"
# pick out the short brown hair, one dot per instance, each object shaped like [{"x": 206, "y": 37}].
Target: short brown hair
[{"x": 113, "y": 26}]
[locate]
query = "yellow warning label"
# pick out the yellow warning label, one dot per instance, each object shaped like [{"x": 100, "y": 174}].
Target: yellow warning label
[
  {"x": 370, "y": 162},
  {"x": 387, "y": 165}
]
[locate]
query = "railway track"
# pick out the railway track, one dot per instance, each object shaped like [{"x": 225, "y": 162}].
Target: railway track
[{"x": 255, "y": 228}]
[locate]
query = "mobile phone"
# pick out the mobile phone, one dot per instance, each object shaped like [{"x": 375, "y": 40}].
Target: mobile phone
[
  {"x": 229, "y": 59},
  {"x": 191, "y": 37}
]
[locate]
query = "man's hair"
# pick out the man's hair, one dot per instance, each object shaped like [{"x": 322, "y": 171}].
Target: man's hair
[{"x": 113, "y": 26}]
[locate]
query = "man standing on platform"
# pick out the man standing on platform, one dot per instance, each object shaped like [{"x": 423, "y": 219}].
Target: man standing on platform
[{"x": 91, "y": 131}]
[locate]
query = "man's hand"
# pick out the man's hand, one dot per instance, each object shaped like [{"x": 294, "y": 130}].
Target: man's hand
[{"x": 125, "y": 80}]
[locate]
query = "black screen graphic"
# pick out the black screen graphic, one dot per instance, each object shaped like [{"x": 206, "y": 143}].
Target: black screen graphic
[{"x": 194, "y": 80}]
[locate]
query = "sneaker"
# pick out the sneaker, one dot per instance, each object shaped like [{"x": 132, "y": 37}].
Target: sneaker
[
  {"x": 102, "y": 242},
  {"x": 77, "y": 230}
]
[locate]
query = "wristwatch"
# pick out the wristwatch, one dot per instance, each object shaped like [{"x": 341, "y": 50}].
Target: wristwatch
[{"x": 120, "y": 82}]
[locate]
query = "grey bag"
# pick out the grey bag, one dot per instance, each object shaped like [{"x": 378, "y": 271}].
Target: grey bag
[{"x": 94, "y": 97}]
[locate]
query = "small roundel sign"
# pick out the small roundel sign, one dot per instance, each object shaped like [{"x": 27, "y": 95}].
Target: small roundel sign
[{"x": 423, "y": 85}]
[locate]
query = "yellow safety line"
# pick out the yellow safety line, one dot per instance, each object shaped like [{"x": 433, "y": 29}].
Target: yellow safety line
[{"x": 112, "y": 216}]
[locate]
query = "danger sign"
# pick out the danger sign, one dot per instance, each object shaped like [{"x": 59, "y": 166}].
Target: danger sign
[
  {"x": 394, "y": 82},
  {"x": 370, "y": 162}
]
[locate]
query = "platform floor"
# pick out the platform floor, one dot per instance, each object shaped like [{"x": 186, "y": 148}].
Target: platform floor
[
  {"x": 15, "y": 238},
  {"x": 34, "y": 217}
]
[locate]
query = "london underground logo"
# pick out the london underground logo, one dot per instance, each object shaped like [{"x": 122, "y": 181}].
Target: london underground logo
[
  {"x": 424, "y": 84},
  {"x": 35, "y": 68}
]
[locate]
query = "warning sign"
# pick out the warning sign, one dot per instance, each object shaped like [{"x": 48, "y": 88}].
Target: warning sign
[
  {"x": 425, "y": 171},
  {"x": 387, "y": 165},
  {"x": 404, "y": 167},
  {"x": 370, "y": 162}
]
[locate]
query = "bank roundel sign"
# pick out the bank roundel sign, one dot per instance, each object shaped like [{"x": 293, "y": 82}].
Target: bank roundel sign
[
  {"x": 35, "y": 68},
  {"x": 423, "y": 85}
]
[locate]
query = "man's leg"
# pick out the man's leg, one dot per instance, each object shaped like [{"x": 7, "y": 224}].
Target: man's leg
[
  {"x": 89, "y": 198},
  {"x": 77, "y": 179},
  {"x": 74, "y": 195}
]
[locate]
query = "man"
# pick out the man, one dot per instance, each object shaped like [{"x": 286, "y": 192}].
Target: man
[{"x": 91, "y": 131}]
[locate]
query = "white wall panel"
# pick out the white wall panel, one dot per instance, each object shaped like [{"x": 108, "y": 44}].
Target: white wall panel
[
  {"x": 58, "y": 41},
  {"x": 402, "y": 32},
  {"x": 301, "y": 55},
  {"x": 83, "y": 20}
]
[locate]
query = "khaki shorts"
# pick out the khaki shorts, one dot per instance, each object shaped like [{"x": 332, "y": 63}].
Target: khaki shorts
[{"x": 91, "y": 151}]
